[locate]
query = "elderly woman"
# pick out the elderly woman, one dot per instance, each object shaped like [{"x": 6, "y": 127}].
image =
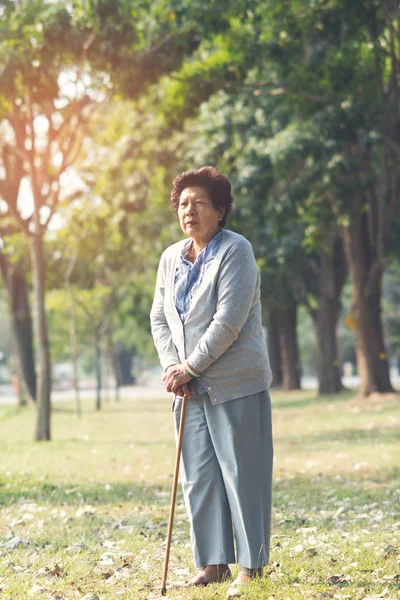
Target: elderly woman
[{"x": 206, "y": 325}]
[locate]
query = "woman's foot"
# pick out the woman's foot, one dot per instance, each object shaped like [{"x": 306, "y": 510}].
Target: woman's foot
[
  {"x": 245, "y": 575},
  {"x": 211, "y": 574}
]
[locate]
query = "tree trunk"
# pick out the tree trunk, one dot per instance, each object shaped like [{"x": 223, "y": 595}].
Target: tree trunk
[
  {"x": 72, "y": 329},
  {"x": 43, "y": 385},
  {"x": 97, "y": 351},
  {"x": 113, "y": 357},
  {"x": 329, "y": 380},
  {"x": 373, "y": 364},
  {"x": 287, "y": 318},
  {"x": 274, "y": 349},
  {"x": 17, "y": 379},
  {"x": 125, "y": 365},
  {"x": 74, "y": 349},
  {"x": 21, "y": 324},
  {"x": 366, "y": 275},
  {"x": 332, "y": 276}
]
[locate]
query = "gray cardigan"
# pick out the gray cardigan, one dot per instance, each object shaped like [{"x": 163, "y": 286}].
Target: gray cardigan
[{"x": 222, "y": 337}]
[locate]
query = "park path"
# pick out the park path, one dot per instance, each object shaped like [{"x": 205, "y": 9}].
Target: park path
[{"x": 154, "y": 389}]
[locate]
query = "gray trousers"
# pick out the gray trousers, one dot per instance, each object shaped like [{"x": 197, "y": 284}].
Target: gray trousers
[{"x": 226, "y": 473}]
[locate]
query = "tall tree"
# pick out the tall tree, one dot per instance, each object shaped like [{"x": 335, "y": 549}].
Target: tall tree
[
  {"x": 13, "y": 269},
  {"x": 334, "y": 66},
  {"x": 59, "y": 61},
  {"x": 272, "y": 182},
  {"x": 347, "y": 77},
  {"x": 43, "y": 121}
]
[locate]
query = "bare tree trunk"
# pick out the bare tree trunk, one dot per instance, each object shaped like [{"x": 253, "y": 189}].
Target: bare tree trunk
[
  {"x": 372, "y": 358},
  {"x": 113, "y": 357},
  {"x": 287, "y": 318},
  {"x": 72, "y": 330},
  {"x": 17, "y": 379},
  {"x": 43, "y": 387},
  {"x": 329, "y": 380},
  {"x": 97, "y": 350},
  {"x": 124, "y": 364},
  {"x": 333, "y": 271},
  {"x": 21, "y": 325},
  {"x": 274, "y": 349},
  {"x": 106, "y": 371},
  {"x": 366, "y": 275},
  {"x": 74, "y": 350}
]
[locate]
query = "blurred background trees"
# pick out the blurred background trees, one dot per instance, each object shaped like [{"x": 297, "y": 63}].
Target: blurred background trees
[{"x": 103, "y": 103}]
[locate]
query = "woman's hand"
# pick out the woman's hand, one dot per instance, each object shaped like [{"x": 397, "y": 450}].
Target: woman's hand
[{"x": 176, "y": 379}]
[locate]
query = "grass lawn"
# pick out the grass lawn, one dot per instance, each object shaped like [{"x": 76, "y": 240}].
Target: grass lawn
[{"x": 87, "y": 512}]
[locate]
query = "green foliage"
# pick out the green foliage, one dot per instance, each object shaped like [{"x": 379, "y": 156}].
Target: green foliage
[
  {"x": 291, "y": 100},
  {"x": 302, "y": 129},
  {"x": 116, "y": 225}
]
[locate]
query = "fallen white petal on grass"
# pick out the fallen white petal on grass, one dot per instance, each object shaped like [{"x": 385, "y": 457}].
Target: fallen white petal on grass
[
  {"x": 392, "y": 577},
  {"x": 106, "y": 559},
  {"x": 181, "y": 571},
  {"x": 383, "y": 594},
  {"x": 31, "y": 507},
  {"x": 233, "y": 593},
  {"x": 162, "y": 494},
  {"x": 113, "y": 544},
  {"x": 85, "y": 511},
  {"x": 36, "y": 589}
]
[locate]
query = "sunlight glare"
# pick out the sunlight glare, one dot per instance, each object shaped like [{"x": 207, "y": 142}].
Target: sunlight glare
[
  {"x": 25, "y": 199},
  {"x": 41, "y": 124}
]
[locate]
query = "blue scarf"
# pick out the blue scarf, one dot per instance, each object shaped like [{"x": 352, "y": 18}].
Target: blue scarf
[{"x": 189, "y": 276}]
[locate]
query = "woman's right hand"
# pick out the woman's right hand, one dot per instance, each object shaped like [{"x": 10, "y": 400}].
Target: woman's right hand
[
  {"x": 184, "y": 390},
  {"x": 181, "y": 390}
]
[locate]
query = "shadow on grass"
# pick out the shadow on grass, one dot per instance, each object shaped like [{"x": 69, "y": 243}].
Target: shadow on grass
[
  {"x": 375, "y": 435},
  {"x": 305, "y": 490},
  {"x": 304, "y": 499},
  {"x": 78, "y": 495}
]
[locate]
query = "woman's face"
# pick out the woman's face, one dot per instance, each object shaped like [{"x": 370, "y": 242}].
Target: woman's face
[{"x": 197, "y": 215}]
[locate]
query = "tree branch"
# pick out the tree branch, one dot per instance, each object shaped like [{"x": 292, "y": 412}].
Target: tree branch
[
  {"x": 23, "y": 155},
  {"x": 82, "y": 306},
  {"x": 23, "y": 223},
  {"x": 71, "y": 263},
  {"x": 36, "y": 193},
  {"x": 54, "y": 196},
  {"x": 164, "y": 41},
  {"x": 70, "y": 154}
]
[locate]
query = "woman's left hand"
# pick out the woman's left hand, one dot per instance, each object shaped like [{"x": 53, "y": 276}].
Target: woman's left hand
[{"x": 175, "y": 377}]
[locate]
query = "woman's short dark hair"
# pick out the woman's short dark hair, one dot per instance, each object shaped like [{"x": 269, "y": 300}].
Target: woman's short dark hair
[{"x": 217, "y": 185}]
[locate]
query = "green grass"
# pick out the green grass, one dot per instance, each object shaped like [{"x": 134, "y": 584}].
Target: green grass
[{"x": 88, "y": 511}]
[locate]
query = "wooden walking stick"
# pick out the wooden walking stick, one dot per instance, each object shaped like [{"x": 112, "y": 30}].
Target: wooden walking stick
[{"x": 173, "y": 495}]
